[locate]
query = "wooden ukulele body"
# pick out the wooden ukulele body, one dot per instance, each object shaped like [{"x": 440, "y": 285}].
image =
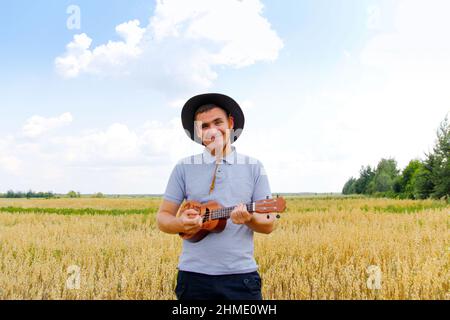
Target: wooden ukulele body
[{"x": 214, "y": 226}]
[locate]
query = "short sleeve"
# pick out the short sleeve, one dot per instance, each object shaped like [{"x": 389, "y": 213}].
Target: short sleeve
[
  {"x": 175, "y": 190},
  {"x": 262, "y": 187}
]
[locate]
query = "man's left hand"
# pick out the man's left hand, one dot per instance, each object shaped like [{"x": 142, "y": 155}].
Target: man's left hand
[{"x": 240, "y": 215}]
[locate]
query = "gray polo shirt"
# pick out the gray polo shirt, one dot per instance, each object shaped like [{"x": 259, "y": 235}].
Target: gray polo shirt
[{"x": 239, "y": 179}]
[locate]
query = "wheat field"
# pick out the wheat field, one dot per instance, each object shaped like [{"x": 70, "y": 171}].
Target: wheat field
[{"x": 323, "y": 248}]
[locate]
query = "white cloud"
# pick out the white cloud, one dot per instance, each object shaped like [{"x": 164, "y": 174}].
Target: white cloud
[
  {"x": 150, "y": 144},
  {"x": 241, "y": 34},
  {"x": 9, "y": 163},
  {"x": 181, "y": 46},
  {"x": 37, "y": 125},
  {"x": 114, "y": 159},
  {"x": 80, "y": 59},
  {"x": 116, "y": 143},
  {"x": 412, "y": 65},
  {"x": 419, "y": 40},
  {"x": 178, "y": 103},
  {"x": 247, "y": 105}
]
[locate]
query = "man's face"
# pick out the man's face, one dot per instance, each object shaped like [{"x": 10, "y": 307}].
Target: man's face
[{"x": 214, "y": 127}]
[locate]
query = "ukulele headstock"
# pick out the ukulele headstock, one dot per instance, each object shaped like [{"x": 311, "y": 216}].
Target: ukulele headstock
[{"x": 277, "y": 204}]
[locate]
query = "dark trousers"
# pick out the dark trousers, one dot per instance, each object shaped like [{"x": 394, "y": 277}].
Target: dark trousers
[{"x": 199, "y": 286}]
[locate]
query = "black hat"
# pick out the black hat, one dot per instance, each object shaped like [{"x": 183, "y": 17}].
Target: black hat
[{"x": 222, "y": 101}]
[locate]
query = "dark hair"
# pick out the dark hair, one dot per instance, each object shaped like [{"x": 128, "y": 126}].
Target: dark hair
[{"x": 207, "y": 107}]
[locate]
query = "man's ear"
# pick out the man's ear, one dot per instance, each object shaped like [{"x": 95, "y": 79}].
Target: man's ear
[
  {"x": 230, "y": 122},
  {"x": 197, "y": 130}
]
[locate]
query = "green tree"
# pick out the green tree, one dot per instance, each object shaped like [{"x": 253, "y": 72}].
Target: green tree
[
  {"x": 423, "y": 186},
  {"x": 73, "y": 194},
  {"x": 386, "y": 174},
  {"x": 440, "y": 171},
  {"x": 433, "y": 178},
  {"x": 366, "y": 174},
  {"x": 404, "y": 185},
  {"x": 349, "y": 187}
]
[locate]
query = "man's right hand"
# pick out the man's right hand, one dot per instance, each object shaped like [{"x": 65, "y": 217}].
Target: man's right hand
[{"x": 191, "y": 221}]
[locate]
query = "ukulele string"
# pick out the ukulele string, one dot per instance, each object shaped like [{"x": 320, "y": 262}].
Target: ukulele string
[{"x": 222, "y": 213}]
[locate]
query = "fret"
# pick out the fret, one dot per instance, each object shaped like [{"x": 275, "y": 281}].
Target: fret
[{"x": 224, "y": 213}]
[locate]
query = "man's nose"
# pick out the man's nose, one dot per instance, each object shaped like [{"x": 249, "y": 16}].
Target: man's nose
[{"x": 212, "y": 131}]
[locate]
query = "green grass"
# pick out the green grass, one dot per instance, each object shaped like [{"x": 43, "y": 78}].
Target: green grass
[{"x": 407, "y": 208}]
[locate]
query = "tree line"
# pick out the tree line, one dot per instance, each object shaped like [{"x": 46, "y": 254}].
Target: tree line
[
  {"x": 47, "y": 195},
  {"x": 29, "y": 194},
  {"x": 420, "y": 179}
]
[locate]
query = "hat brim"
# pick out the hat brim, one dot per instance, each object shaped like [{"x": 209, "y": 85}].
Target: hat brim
[{"x": 222, "y": 101}]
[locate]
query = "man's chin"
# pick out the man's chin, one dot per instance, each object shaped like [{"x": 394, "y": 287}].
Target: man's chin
[{"x": 213, "y": 146}]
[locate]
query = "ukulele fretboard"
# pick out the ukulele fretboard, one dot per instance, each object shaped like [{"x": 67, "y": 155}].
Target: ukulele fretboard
[{"x": 224, "y": 213}]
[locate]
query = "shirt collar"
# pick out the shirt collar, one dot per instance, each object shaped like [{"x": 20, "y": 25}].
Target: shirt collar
[{"x": 209, "y": 158}]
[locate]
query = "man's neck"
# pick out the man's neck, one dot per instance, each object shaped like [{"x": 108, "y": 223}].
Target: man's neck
[{"x": 225, "y": 151}]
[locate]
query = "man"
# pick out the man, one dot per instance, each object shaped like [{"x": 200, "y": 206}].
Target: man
[{"x": 221, "y": 266}]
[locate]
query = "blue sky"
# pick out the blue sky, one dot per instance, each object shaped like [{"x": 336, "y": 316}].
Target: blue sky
[
  {"x": 36, "y": 34},
  {"x": 325, "y": 86}
]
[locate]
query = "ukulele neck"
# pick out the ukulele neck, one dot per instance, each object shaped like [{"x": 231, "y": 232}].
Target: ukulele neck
[{"x": 225, "y": 213}]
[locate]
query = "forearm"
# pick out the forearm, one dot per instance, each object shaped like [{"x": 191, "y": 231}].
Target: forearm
[
  {"x": 168, "y": 223},
  {"x": 262, "y": 223}
]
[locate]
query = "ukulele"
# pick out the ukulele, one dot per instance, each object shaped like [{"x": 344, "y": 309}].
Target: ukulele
[{"x": 214, "y": 216}]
